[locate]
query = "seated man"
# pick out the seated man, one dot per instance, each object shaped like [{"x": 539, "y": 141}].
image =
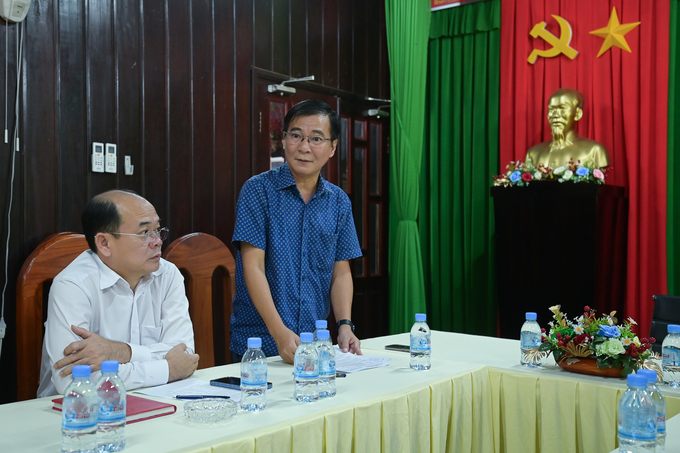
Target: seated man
[
  {"x": 119, "y": 301},
  {"x": 295, "y": 236}
]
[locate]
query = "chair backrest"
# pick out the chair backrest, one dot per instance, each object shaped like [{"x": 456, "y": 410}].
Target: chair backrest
[
  {"x": 47, "y": 260},
  {"x": 199, "y": 255},
  {"x": 666, "y": 311}
]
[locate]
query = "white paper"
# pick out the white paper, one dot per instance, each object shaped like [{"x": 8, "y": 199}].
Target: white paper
[
  {"x": 347, "y": 362},
  {"x": 190, "y": 386}
]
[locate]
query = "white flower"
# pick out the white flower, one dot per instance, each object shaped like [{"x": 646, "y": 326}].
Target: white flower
[
  {"x": 636, "y": 340},
  {"x": 559, "y": 170},
  {"x": 567, "y": 175},
  {"x": 555, "y": 308},
  {"x": 578, "y": 329},
  {"x": 632, "y": 321},
  {"x": 610, "y": 321},
  {"x": 537, "y": 175}
]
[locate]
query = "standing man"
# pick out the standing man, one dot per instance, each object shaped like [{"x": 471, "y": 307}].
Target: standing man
[
  {"x": 295, "y": 236},
  {"x": 119, "y": 301}
]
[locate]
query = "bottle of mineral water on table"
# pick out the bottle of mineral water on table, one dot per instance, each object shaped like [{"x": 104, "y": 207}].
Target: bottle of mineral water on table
[
  {"x": 79, "y": 413},
  {"x": 306, "y": 370},
  {"x": 660, "y": 403},
  {"x": 670, "y": 350},
  {"x": 420, "y": 343},
  {"x": 637, "y": 418},
  {"x": 321, "y": 324},
  {"x": 530, "y": 338},
  {"x": 254, "y": 377},
  {"x": 326, "y": 365},
  {"x": 112, "y": 404}
]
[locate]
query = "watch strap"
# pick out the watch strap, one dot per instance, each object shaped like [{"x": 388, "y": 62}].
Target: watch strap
[{"x": 345, "y": 321}]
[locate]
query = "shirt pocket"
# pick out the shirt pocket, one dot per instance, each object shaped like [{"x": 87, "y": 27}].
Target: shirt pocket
[
  {"x": 150, "y": 335},
  {"x": 322, "y": 251}
]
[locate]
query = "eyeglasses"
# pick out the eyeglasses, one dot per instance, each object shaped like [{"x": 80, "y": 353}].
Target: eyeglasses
[
  {"x": 295, "y": 138},
  {"x": 149, "y": 235}
]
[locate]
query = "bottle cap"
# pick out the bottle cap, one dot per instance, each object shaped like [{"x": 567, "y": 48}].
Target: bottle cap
[
  {"x": 531, "y": 316},
  {"x": 321, "y": 324},
  {"x": 255, "y": 342},
  {"x": 110, "y": 366},
  {"x": 323, "y": 334},
  {"x": 81, "y": 371},
  {"x": 306, "y": 337},
  {"x": 421, "y": 317},
  {"x": 637, "y": 380},
  {"x": 673, "y": 328},
  {"x": 649, "y": 374}
]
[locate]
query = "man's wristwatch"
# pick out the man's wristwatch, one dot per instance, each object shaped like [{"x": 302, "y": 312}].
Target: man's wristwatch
[{"x": 346, "y": 321}]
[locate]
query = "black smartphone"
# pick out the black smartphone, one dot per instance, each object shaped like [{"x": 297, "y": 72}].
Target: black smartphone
[
  {"x": 231, "y": 382},
  {"x": 398, "y": 347}
]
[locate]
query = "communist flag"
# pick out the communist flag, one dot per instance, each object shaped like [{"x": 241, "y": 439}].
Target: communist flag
[{"x": 626, "y": 109}]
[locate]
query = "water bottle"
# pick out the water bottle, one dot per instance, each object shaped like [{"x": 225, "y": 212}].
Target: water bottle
[
  {"x": 420, "y": 344},
  {"x": 306, "y": 370},
  {"x": 637, "y": 418},
  {"x": 326, "y": 364},
  {"x": 671, "y": 356},
  {"x": 112, "y": 404},
  {"x": 530, "y": 338},
  {"x": 660, "y": 403},
  {"x": 321, "y": 324},
  {"x": 254, "y": 377},
  {"x": 79, "y": 413}
]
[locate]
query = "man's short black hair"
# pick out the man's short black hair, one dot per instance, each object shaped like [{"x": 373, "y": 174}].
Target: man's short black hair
[
  {"x": 101, "y": 215},
  {"x": 312, "y": 107}
]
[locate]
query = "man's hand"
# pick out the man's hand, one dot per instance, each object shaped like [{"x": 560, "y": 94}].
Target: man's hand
[
  {"x": 91, "y": 350},
  {"x": 287, "y": 342},
  {"x": 347, "y": 341},
  {"x": 180, "y": 363}
]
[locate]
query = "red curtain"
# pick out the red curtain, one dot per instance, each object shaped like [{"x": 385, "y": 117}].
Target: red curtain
[{"x": 625, "y": 109}]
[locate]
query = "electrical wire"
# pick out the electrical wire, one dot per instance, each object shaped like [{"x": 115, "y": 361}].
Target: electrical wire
[{"x": 15, "y": 150}]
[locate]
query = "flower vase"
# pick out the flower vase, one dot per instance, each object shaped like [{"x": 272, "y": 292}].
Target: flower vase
[{"x": 587, "y": 365}]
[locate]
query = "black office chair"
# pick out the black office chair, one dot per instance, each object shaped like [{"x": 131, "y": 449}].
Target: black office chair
[{"x": 666, "y": 311}]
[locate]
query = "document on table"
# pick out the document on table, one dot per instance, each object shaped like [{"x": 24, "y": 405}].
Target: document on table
[
  {"x": 351, "y": 363},
  {"x": 190, "y": 386}
]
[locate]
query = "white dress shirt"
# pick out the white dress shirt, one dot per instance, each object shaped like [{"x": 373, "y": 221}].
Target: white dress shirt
[{"x": 151, "y": 320}]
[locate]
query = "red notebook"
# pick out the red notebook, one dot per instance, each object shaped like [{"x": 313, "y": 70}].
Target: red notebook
[{"x": 137, "y": 409}]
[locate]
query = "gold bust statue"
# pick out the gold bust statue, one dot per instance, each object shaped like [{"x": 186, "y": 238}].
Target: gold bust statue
[{"x": 565, "y": 108}]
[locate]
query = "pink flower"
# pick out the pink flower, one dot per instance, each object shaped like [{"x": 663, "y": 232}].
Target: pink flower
[
  {"x": 598, "y": 174},
  {"x": 527, "y": 177}
]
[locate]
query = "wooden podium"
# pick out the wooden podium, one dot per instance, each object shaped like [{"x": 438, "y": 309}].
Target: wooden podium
[{"x": 554, "y": 244}]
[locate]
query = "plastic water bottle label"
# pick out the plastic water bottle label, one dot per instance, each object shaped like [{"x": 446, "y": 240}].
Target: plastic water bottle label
[
  {"x": 257, "y": 375},
  {"x": 670, "y": 356},
  {"x": 420, "y": 343},
  {"x": 111, "y": 411},
  {"x": 647, "y": 433},
  {"x": 306, "y": 370},
  {"x": 77, "y": 415},
  {"x": 660, "y": 422},
  {"x": 531, "y": 340},
  {"x": 326, "y": 364}
]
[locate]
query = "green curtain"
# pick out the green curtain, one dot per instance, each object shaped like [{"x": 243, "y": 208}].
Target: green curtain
[
  {"x": 456, "y": 210},
  {"x": 408, "y": 22},
  {"x": 673, "y": 189}
]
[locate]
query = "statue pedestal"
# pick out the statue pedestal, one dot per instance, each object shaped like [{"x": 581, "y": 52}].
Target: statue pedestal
[{"x": 558, "y": 243}]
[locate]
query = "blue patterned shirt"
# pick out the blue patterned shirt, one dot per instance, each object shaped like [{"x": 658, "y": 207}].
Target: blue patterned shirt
[{"x": 301, "y": 241}]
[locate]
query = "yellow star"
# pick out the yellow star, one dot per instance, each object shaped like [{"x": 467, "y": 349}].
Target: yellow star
[{"x": 613, "y": 33}]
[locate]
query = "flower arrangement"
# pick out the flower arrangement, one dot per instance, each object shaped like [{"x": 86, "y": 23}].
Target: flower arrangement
[
  {"x": 522, "y": 173},
  {"x": 590, "y": 336}
]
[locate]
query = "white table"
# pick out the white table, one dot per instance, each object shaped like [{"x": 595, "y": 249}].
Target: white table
[{"x": 466, "y": 402}]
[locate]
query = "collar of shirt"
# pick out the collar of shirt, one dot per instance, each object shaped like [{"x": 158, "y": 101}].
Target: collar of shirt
[
  {"x": 283, "y": 179},
  {"x": 108, "y": 277}
]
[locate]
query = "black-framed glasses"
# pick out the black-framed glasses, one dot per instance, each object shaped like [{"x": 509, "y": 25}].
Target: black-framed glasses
[
  {"x": 150, "y": 235},
  {"x": 295, "y": 138}
]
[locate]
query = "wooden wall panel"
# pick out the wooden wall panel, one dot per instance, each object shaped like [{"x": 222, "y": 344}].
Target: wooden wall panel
[{"x": 169, "y": 82}]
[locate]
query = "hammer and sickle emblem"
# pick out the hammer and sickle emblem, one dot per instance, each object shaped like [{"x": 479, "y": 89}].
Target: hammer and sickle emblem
[{"x": 559, "y": 45}]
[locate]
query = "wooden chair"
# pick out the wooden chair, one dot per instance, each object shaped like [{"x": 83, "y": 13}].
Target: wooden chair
[
  {"x": 198, "y": 256},
  {"x": 666, "y": 311},
  {"x": 47, "y": 260}
]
